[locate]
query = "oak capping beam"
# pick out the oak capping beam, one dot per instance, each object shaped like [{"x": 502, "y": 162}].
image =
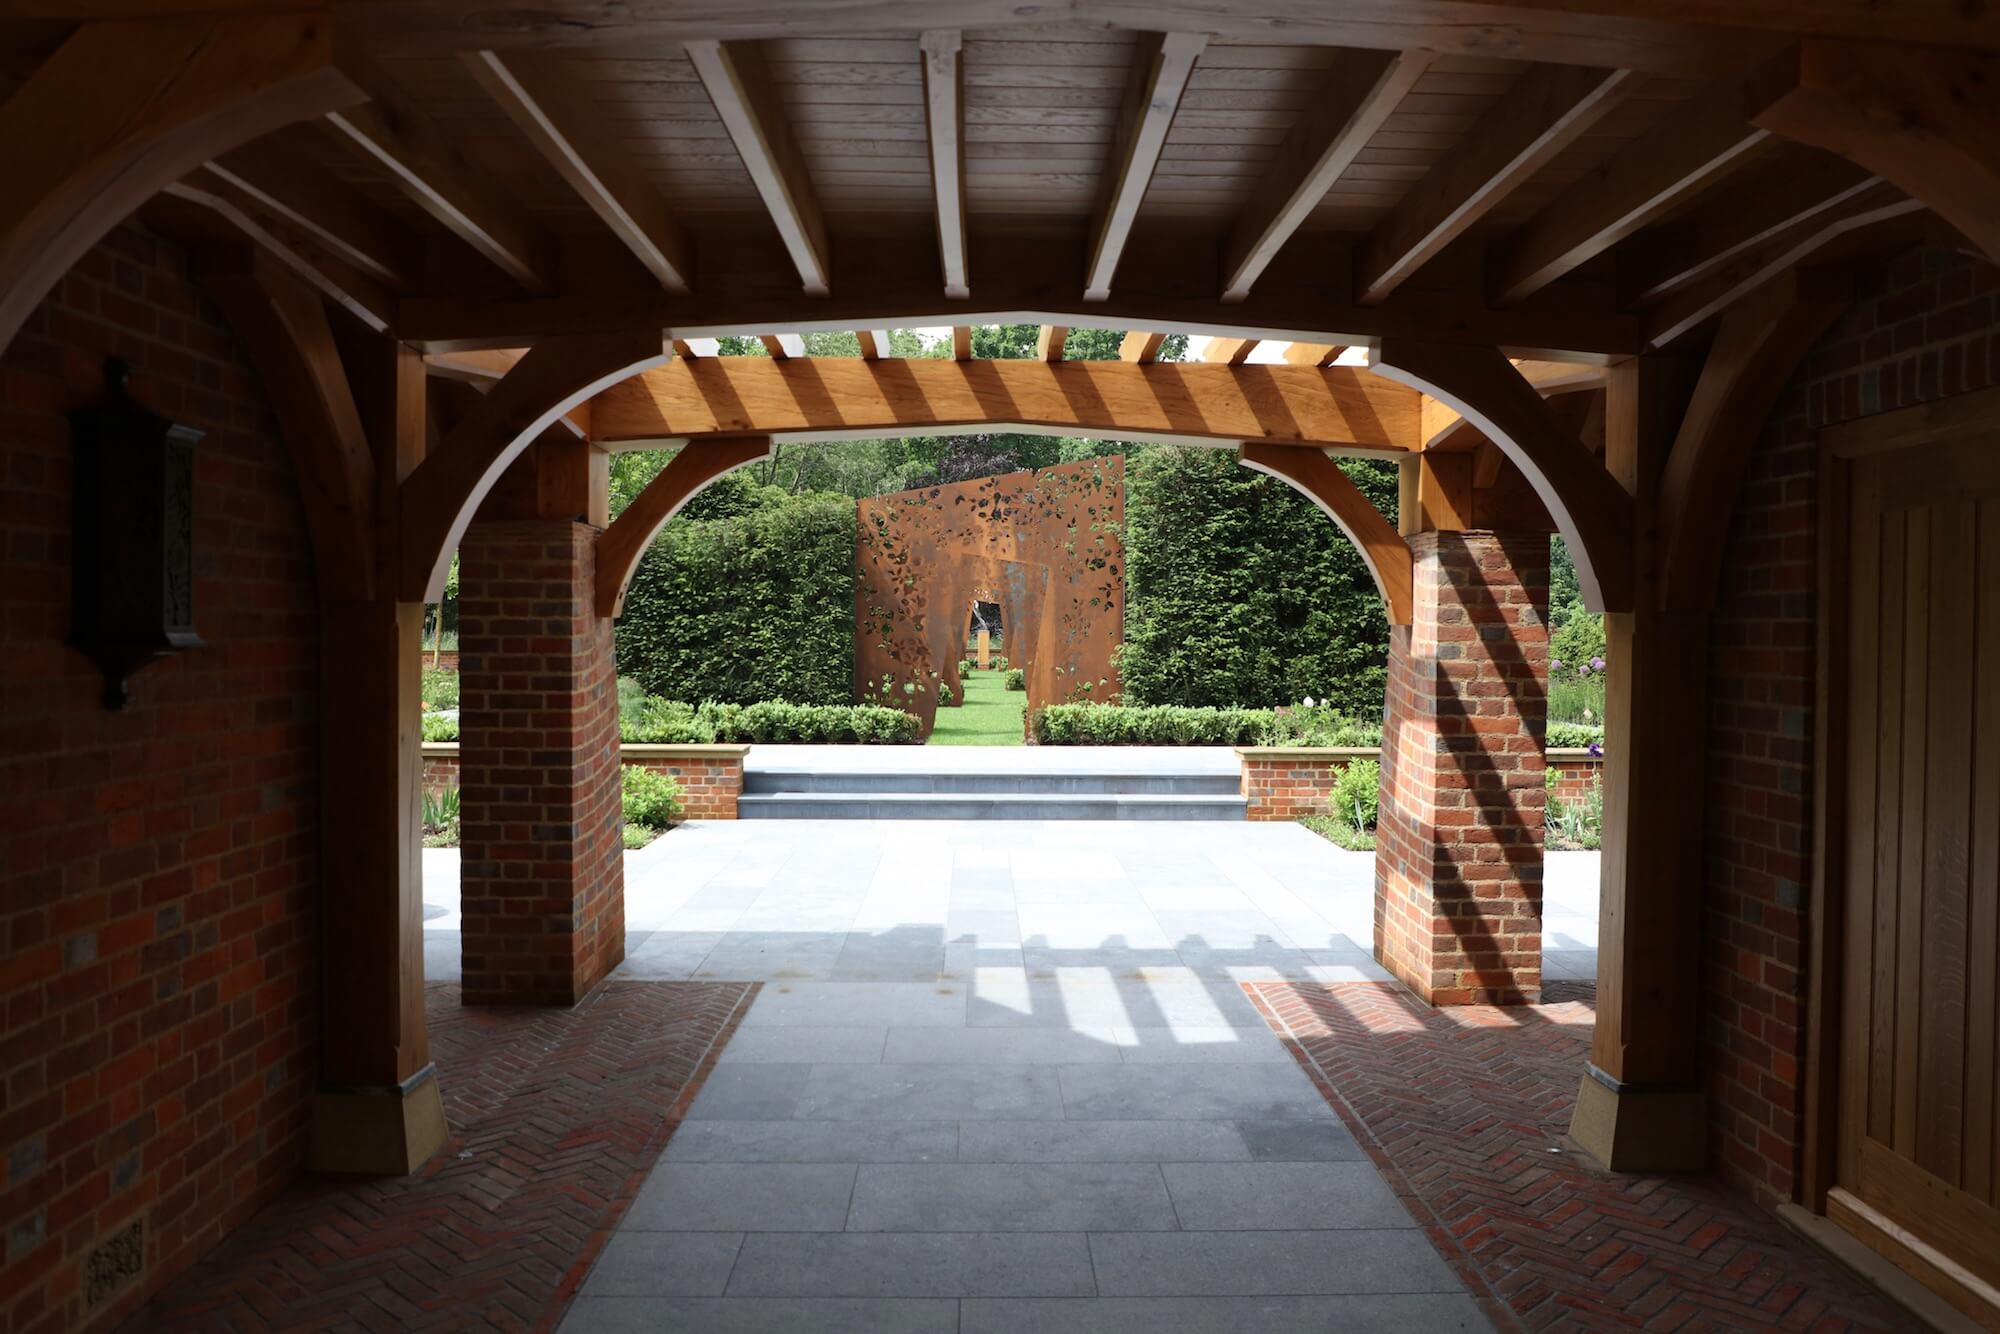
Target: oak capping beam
[
  {"x": 1545, "y": 111},
  {"x": 1757, "y": 347},
  {"x": 282, "y": 326},
  {"x": 944, "y": 120},
  {"x": 1161, "y": 68},
  {"x": 426, "y": 166},
  {"x": 1229, "y": 351},
  {"x": 739, "y": 83},
  {"x": 340, "y": 217},
  {"x": 1689, "y": 152},
  {"x": 1141, "y": 347},
  {"x": 1927, "y": 121},
  {"x": 439, "y": 498},
  {"x": 1549, "y": 378},
  {"x": 727, "y": 396},
  {"x": 1316, "y": 476},
  {"x": 140, "y": 105},
  {"x": 1357, "y": 94},
  {"x": 1049, "y": 343},
  {"x": 1592, "y": 511},
  {"x": 624, "y": 543},
  {"x": 568, "y": 133},
  {"x": 483, "y": 369}
]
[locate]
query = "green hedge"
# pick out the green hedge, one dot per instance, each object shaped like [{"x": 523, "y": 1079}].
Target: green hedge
[
  {"x": 670, "y": 722},
  {"x": 1574, "y": 736},
  {"x": 752, "y": 599},
  {"x": 1173, "y": 725}
]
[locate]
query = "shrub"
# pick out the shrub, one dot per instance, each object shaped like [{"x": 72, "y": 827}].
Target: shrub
[
  {"x": 1574, "y": 736},
  {"x": 965, "y": 668},
  {"x": 945, "y": 698},
  {"x": 637, "y": 836},
  {"x": 671, "y": 722},
  {"x": 1355, "y": 794},
  {"x": 1575, "y": 824},
  {"x": 441, "y": 818},
  {"x": 439, "y": 729},
  {"x": 440, "y": 689},
  {"x": 652, "y": 800},
  {"x": 1322, "y": 726},
  {"x": 1164, "y": 725},
  {"x": 999, "y": 661},
  {"x": 1016, "y": 679}
]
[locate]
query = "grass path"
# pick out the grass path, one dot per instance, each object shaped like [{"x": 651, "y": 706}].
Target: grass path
[{"x": 990, "y": 716}]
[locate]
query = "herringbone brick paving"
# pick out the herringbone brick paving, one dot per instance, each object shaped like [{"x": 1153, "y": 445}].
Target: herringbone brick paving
[
  {"x": 556, "y": 1116},
  {"x": 1465, "y": 1110}
]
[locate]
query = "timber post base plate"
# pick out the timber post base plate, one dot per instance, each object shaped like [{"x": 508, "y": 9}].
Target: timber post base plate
[
  {"x": 388, "y": 1131},
  {"x": 1631, "y": 1129}
]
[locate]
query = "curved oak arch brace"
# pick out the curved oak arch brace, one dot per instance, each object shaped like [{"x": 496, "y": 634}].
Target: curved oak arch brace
[
  {"x": 626, "y": 540},
  {"x": 122, "y": 110},
  {"x": 1757, "y": 347},
  {"x": 1320, "y": 480},
  {"x": 439, "y": 498},
  {"x": 282, "y": 324},
  {"x": 1594, "y": 513}
]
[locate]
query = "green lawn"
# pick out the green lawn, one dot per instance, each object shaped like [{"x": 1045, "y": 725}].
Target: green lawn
[{"x": 990, "y": 716}]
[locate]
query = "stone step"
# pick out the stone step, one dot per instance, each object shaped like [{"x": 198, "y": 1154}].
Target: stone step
[
  {"x": 981, "y": 783},
  {"x": 987, "y": 806}
]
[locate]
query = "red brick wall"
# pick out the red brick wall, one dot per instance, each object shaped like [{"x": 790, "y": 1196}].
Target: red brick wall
[
  {"x": 1458, "y": 844},
  {"x": 1287, "y": 789},
  {"x": 542, "y": 881},
  {"x": 1927, "y": 326},
  {"x": 158, "y": 866},
  {"x": 709, "y": 786}
]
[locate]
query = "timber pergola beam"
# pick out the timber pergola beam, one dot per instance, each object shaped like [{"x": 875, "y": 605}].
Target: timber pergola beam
[
  {"x": 1316, "y": 476},
  {"x": 944, "y": 119},
  {"x": 1160, "y": 71},
  {"x": 337, "y": 215},
  {"x": 1340, "y": 406},
  {"x": 626, "y": 540}
]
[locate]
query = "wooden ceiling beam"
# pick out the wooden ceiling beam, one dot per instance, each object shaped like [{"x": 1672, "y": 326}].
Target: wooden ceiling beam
[
  {"x": 1161, "y": 67},
  {"x": 739, "y": 83},
  {"x": 1689, "y": 152},
  {"x": 556, "y": 116},
  {"x": 484, "y": 369},
  {"x": 428, "y": 168},
  {"x": 925, "y": 395},
  {"x": 1445, "y": 429},
  {"x": 1356, "y": 95},
  {"x": 1229, "y": 351},
  {"x": 1141, "y": 346},
  {"x": 1927, "y": 121},
  {"x": 1544, "y": 112},
  {"x": 1049, "y": 343},
  {"x": 944, "y": 119},
  {"x": 340, "y": 217}
]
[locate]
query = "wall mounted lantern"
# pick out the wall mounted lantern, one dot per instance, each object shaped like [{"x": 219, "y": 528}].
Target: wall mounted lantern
[{"x": 132, "y": 534}]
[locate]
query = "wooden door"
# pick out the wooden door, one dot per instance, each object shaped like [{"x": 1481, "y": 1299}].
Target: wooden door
[{"x": 1917, "y": 1170}]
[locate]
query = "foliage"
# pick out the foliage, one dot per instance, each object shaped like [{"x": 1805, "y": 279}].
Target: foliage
[
  {"x": 1016, "y": 679},
  {"x": 946, "y": 700},
  {"x": 441, "y": 818},
  {"x": 965, "y": 668},
  {"x": 1161, "y": 725},
  {"x": 1575, "y": 699},
  {"x": 652, "y": 800},
  {"x": 1576, "y": 634},
  {"x": 989, "y": 716},
  {"x": 999, "y": 661},
  {"x": 1356, "y": 792},
  {"x": 1239, "y": 591},
  {"x": 1338, "y": 832},
  {"x": 1579, "y": 823},
  {"x": 636, "y": 836},
  {"x": 671, "y": 722},
  {"x": 1322, "y": 726},
  {"x": 438, "y": 728},
  {"x": 751, "y": 600},
  {"x": 1574, "y": 736},
  {"x": 440, "y": 689}
]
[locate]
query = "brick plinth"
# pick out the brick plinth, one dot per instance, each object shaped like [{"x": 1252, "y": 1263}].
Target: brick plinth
[
  {"x": 1458, "y": 861},
  {"x": 542, "y": 876}
]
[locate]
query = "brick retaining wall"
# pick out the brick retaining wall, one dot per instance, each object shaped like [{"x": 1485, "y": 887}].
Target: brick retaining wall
[
  {"x": 1285, "y": 782},
  {"x": 711, "y": 777}
]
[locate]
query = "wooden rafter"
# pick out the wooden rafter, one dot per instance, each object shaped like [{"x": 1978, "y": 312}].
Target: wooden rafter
[
  {"x": 122, "y": 109},
  {"x": 944, "y": 117},
  {"x": 739, "y": 83},
  {"x": 555, "y": 114},
  {"x": 1229, "y": 351},
  {"x": 1049, "y": 343},
  {"x": 775, "y": 345},
  {"x": 626, "y": 540},
  {"x": 1355, "y": 97},
  {"x": 874, "y": 343},
  {"x": 1313, "y": 354},
  {"x": 484, "y": 369},
  {"x": 1320, "y": 480},
  {"x": 1690, "y": 152},
  {"x": 1141, "y": 346},
  {"x": 1341, "y": 406},
  {"x": 961, "y": 342},
  {"x": 340, "y": 217},
  {"x": 1160, "y": 72},
  {"x": 1544, "y": 112},
  {"x": 428, "y": 168},
  {"x": 1444, "y": 427}
]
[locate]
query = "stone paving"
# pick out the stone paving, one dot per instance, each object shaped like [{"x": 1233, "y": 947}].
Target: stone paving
[{"x": 1006, "y": 1077}]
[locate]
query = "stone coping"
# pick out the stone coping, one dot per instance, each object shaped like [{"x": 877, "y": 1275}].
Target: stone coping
[
  {"x": 1568, "y": 753},
  {"x": 638, "y": 750}
]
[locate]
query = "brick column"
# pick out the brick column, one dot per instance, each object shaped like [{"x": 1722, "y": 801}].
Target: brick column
[
  {"x": 542, "y": 873},
  {"x": 1458, "y": 847}
]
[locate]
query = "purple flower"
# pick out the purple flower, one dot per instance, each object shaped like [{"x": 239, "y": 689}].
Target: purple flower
[
  {"x": 1596, "y": 748},
  {"x": 1555, "y": 664},
  {"x": 1583, "y": 670},
  {"x": 1597, "y": 664}
]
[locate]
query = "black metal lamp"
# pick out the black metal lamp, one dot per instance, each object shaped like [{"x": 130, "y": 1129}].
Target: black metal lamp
[{"x": 132, "y": 534}]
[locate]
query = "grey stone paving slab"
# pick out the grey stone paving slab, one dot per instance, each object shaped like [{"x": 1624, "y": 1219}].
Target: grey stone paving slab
[
  {"x": 666, "y": 1264},
  {"x": 913, "y": 1264},
  {"x": 749, "y": 1091},
  {"x": 1191, "y": 1046},
  {"x": 742, "y": 1197},
  {"x": 1299, "y": 1141},
  {"x": 1009, "y": 1197},
  {"x": 1226, "y": 1264},
  {"x": 667, "y": 955},
  {"x": 1047, "y": 997},
  {"x": 1101, "y": 1142},
  {"x": 931, "y": 1093},
  {"x": 1227, "y": 1196},
  {"x": 814, "y": 1142},
  {"x": 825, "y": 1004},
  {"x": 804, "y": 1046},
  {"x": 998, "y": 1046},
  {"x": 734, "y": 1315},
  {"x": 1264, "y": 1091},
  {"x": 1426, "y": 1314}
]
